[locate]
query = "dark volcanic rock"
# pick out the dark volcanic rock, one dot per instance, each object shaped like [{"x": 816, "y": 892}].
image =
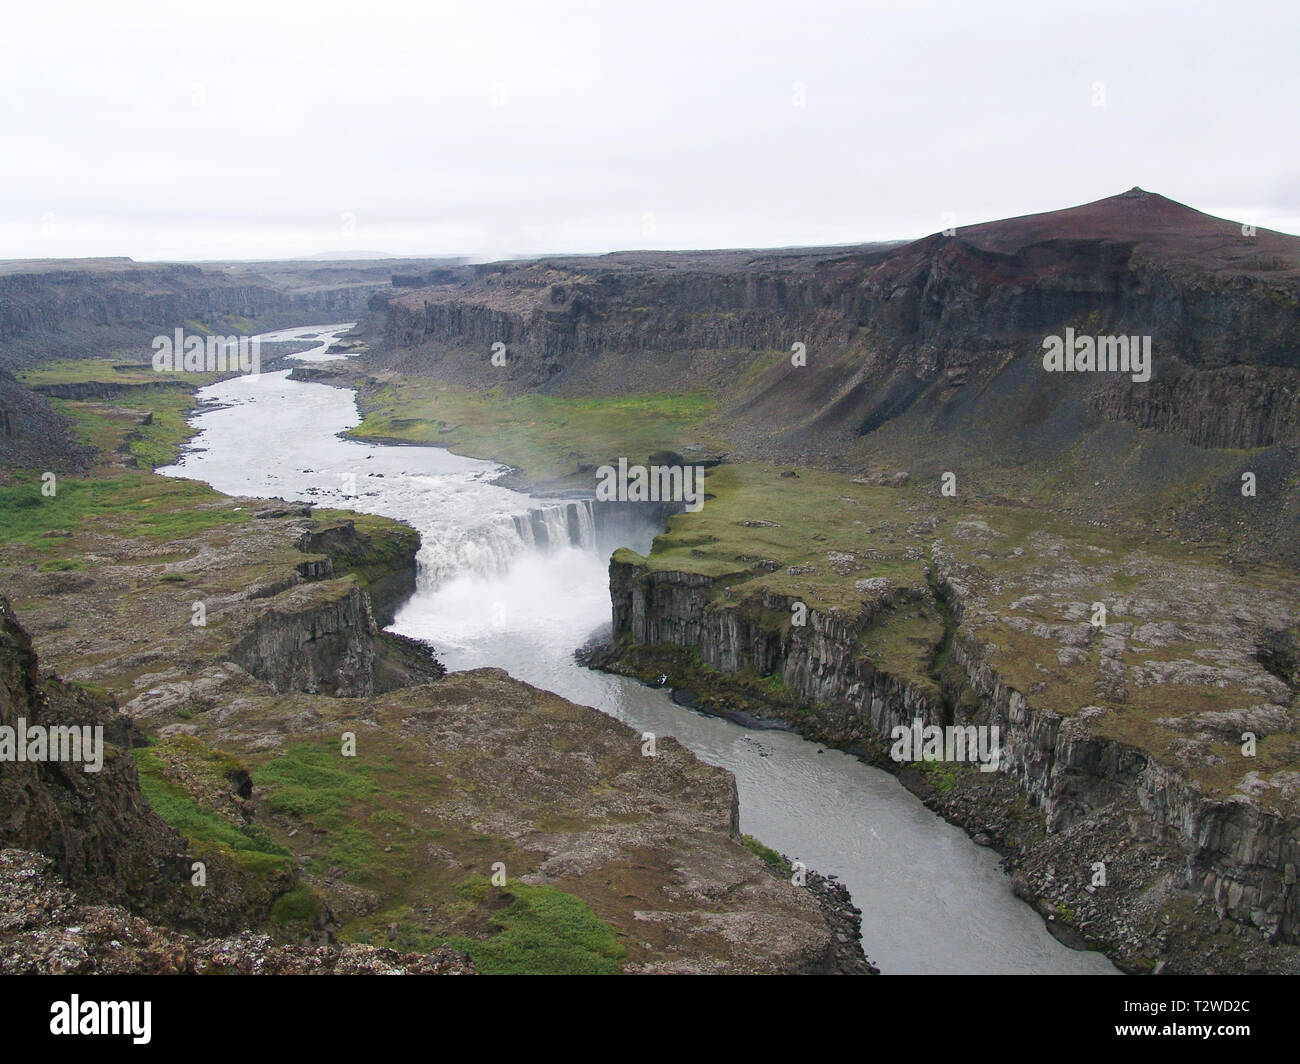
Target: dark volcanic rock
[
  {"x": 96, "y": 826},
  {"x": 34, "y": 436}
]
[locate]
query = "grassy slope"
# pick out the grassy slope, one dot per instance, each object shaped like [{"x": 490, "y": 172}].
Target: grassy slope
[
  {"x": 549, "y": 439},
  {"x": 376, "y": 817}
]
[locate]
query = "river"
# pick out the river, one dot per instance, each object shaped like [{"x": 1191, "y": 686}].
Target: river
[{"x": 502, "y": 588}]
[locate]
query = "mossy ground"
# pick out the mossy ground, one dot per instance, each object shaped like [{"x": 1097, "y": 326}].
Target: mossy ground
[
  {"x": 533, "y": 929},
  {"x": 549, "y": 439},
  {"x": 184, "y": 779},
  {"x": 154, "y": 508},
  {"x": 109, "y": 371},
  {"x": 388, "y": 825},
  {"x": 770, "y": 857}
]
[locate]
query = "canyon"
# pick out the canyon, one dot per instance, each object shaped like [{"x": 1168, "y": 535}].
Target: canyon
[
  {"x": 220, "y": 757},
  {"x": 1128, "y": 738},
  {"x": 826, "y": 585}
]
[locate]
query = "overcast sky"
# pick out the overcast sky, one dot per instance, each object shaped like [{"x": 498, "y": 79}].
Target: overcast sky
[{"x": 489, "y": 128}]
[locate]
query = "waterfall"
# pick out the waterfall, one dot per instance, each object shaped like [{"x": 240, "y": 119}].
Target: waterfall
[
  {"x": 490, "y": 549},
  {"x": 582, "y": 530}
]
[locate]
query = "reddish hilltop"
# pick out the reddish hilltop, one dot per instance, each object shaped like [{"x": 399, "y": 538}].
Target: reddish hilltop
[
  {"x": 1144, "y": 218},
  {"x": 1110, "y": 235}
]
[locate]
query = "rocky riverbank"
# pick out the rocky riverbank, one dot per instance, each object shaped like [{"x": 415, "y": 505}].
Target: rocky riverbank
[{"x": 845, "y": 922}]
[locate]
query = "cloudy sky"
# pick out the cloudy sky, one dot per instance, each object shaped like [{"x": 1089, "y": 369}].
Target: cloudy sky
[{"x": 493, "y": 128}]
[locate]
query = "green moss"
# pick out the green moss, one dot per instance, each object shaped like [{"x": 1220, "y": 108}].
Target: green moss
[
  {"x": 159, "y": 443},
  {"x": 101, "y": 693},
  {"x": 296, "y": 910},
  {"x": 60, "y": 565},
  {"x": 206, "y": 829},
  {"x": 547, "y": 437},
  {"x": 770, "y": 857},
  {"x": 129, "y": 504},
  {"x": 777, "y": 535},
  {"x": 107, "y": 371},
  {"x": 942, "y": 775},
  {"x": 309, "y": 781},
  {"x": 113, "y": 426},
  {"x": 537, "y": 930}
]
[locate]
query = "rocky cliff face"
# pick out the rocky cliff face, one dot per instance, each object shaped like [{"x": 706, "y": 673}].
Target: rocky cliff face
[
  {"x": 838, "y": 695},
  {"x": 1235, "y": 854},
  {"x": 882, "y": 324},
  {"x": 321, "y": 644},
  {"x": 95, "y": 826},
  {"x": 34, "y": 436},
  {"x": 320, "y": 631},
  {"x": 1239, "y": 855},
  {"x": 1229, "y": 407},
  {"x": 555, "y": 316}
]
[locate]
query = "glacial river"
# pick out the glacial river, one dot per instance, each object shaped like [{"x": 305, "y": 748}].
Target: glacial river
[{"x": 932, "y": 901}]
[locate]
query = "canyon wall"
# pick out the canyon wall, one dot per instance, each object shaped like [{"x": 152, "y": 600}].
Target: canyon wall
[
  {"x": 883, "y": 325},
  {"x": 1237, "y": 854},
  {"x": 95, "y": 826},
  {"x": 115, "y": 306}
]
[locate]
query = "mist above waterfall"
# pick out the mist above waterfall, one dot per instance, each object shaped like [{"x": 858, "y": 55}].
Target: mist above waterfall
[
  {"x": 495, "y": 546},
  {"x": 548, "y": 601}
]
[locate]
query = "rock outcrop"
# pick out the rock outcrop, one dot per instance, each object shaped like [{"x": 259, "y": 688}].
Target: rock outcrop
[
  {"x": 95, "y": 826},
  {"x": 321, "y": 644},
  {"x": 46, "y": 929},
  {"x": 34, "y": 436}
]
